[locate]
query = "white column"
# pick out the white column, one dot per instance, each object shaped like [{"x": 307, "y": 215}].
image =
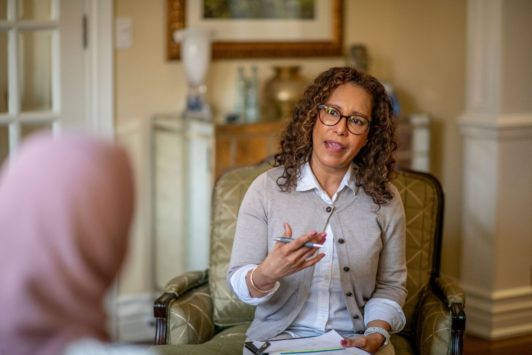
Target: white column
[{"x": 496, "y": 268}]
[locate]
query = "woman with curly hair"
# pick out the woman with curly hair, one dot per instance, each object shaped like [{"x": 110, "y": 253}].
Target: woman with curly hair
[{"x": 341, "y": 264}]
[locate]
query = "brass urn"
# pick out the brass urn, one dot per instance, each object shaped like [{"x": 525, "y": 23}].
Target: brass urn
[{"x": 283, "y": 91}]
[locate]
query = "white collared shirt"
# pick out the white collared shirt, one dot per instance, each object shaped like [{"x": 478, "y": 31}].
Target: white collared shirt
[{"x": 325, "y": 308}]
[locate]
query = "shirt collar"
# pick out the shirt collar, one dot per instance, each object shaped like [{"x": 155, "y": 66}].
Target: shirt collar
[{"x": 307, "y": 180}]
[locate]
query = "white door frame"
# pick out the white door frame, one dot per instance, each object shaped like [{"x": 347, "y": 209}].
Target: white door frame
[
  {"x": 99, "y": 75},
  {"x": 100, "y": 71}
]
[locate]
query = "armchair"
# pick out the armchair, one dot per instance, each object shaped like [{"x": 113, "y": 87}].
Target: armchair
[{"x": 198, "y": 307}]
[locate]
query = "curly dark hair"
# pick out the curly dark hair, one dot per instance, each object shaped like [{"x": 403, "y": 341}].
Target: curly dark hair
[{"x": 373, "y": 165}]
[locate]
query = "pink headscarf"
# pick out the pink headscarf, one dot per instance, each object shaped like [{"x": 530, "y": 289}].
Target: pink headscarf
[{"x": 65, "y": 211}]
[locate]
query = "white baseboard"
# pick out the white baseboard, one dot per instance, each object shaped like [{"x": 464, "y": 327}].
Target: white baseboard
[{"x": 500, "y": 314}]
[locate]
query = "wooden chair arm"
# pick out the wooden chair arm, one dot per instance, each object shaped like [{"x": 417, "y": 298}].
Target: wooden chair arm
[{"x": 177, "y": 287}]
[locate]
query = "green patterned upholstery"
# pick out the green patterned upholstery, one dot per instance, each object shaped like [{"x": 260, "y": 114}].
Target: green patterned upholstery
[
  {"x": 229, "y": 192},
  {"x": 451, "y": 290},
  {"x": 402, "y": 344},
  {"x": 199, "y": 308},
  {"x": 434, "y": 332},
  {"x": 420, "y": 200},
  {"x": 191, "y": 318},
  {"x": 227, "y": 342}
]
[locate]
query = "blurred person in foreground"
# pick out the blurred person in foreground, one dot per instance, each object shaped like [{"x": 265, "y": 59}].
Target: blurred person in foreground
[
  {"x": 66, "y": 206},
  {"x": 331, "y": 185}
]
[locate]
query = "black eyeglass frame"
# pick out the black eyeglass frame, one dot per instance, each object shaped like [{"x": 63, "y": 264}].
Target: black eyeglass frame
[{"x": 323, "y": 107}]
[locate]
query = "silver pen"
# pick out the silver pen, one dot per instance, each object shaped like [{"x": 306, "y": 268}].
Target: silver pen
[{"x": 289, "y": 240}]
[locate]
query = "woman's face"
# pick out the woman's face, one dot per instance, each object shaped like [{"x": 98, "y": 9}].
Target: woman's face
[{"x": 334, "y": 147}]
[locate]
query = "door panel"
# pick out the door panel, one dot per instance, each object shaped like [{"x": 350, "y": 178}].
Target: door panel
[{"x": 42, "y": 69}]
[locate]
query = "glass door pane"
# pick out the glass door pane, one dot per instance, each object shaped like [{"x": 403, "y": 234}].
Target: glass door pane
[
  {"x": 40, "y": 10},
  {"x": 42, "y": 69},
  {"x": 28, "y": 129},
  {"x": 4, "y": 143},
  {"x": 3, "y": 10},
  {"x": 3, "y": 73},
  {"x": 35, "y": 58}
]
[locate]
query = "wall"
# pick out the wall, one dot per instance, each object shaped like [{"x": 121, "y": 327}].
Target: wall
[
  {"x": 517, "y": 83},
  {"x": 417, "y": 45}
]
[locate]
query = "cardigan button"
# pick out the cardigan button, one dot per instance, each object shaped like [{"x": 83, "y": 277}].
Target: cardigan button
[
  {"x": 356, "y": 316},
  {"x": 349, "y": 294},
  {"x": 341, "y": 240},
  {"x": 328, "y": 209},
  {"x": 346, "y": 268}
]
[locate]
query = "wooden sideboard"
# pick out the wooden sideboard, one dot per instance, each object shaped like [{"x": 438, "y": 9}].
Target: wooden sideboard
[{"x": 244, "y": 144}]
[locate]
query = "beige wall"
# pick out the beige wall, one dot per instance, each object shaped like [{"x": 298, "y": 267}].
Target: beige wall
[
  {"x": 417, "y": 45},
  {"x": 517, "y": 84}
]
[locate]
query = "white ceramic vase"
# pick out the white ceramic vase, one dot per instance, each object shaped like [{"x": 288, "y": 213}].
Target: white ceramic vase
[{"x": 196, "y": 57}]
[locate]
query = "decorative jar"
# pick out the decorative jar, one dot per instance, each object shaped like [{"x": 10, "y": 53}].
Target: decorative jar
[{"x": 283, "y": 91}]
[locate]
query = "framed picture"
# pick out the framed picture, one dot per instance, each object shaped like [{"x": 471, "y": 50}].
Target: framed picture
[{"x": 261, "y": 28}]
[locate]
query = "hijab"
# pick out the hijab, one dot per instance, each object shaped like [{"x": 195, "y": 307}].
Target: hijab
[{"x": 65, "y": 209}]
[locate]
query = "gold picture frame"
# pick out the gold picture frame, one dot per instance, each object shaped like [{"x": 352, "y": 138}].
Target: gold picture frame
[{"x": 177, "y": 13}]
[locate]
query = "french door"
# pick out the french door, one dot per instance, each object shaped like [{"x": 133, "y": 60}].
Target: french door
[{"x": 45, "y": 68}]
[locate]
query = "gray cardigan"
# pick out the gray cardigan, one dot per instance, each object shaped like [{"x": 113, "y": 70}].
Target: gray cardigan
[{"x": 370, "y": 247}]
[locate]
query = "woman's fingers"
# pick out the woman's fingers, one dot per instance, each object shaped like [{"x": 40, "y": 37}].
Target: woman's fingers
[
  {"x": 287, "y": 230},
  {"x": 312, "y": 261},
  {"x": 297, "y": 253},
  {"x": 369, "y": 343},
  {"x": 288, "y": 258},
  {"x": 310, "y": 237},
  {"x": 359, "y": 342}
]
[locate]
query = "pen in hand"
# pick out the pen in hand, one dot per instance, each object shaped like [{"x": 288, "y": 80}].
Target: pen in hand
[{"x": 289, "y": 240}]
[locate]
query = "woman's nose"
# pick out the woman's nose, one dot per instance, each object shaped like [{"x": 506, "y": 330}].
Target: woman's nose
[{"x": 341, "y": 126}]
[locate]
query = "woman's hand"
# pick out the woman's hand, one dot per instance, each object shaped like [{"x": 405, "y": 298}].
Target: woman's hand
[
  {"x": 370, "y": 343},
  {"x": 286, "y": 259}
]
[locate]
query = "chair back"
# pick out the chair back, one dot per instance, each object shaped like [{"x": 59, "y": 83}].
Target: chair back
[
  {"x": 229, "y": 190},
  {"x": 423, "y": 201}
]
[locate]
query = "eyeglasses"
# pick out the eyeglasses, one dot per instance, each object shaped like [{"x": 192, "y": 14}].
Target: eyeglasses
[{"x": 355, "y": 124}]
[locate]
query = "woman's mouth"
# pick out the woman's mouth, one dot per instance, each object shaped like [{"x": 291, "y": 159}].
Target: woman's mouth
[{"x": 334, "y": 146}]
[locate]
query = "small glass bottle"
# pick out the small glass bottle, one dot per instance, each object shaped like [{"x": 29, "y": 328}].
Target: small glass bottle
[
  {"x": 241, "y": 95},
  {"x": 252, "y": 101}
]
